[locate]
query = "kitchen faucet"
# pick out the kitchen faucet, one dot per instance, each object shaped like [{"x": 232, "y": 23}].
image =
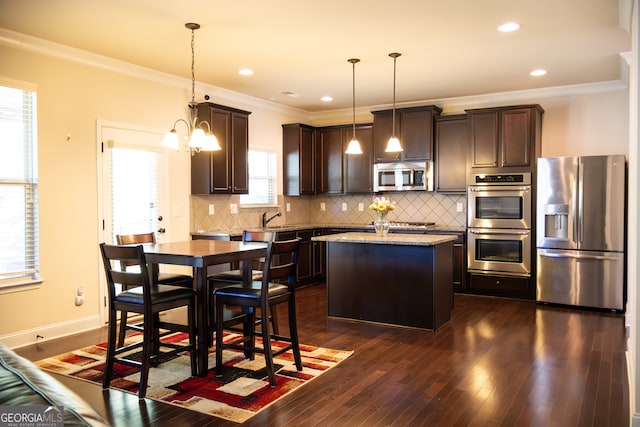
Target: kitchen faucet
[{"x": 266, "y": 221}]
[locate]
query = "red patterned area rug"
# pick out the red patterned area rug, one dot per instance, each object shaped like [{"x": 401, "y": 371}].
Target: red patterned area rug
[{"x": 242, "y": 392}]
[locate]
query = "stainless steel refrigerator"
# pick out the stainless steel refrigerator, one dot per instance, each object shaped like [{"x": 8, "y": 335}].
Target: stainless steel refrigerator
[{"x": 580, "y": 233}]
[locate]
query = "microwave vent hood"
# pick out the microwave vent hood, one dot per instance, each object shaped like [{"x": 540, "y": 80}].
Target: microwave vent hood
[{"x": 403, "y": 176}]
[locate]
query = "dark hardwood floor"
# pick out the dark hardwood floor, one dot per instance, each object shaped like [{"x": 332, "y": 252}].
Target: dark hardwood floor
[{"x": 497, "y": 362}]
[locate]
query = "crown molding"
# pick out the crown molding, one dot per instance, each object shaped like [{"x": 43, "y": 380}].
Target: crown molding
[
  {"x": 25, "y": 42},
  {"x": 20, "y": 41}
]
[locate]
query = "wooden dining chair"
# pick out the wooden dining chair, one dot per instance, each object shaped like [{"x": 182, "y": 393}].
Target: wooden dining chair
[
  {"x": 149, "y": 300},
  {"x": 279, "y": 264},
  {"x": 255, "y": 267},
  {"x": 237, "y": 275},
  {"x": 163, "y": 278}
]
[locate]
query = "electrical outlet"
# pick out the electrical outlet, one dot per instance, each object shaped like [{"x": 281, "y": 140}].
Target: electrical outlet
[
  {"x": 344, "y": 206},
  {"x": 79, "y": 300},
  {"x": 233, "y": 207},
  {"x": 288, "y": 209},
  {"x": 459, "y": 207},
  {"x": 323, "y": 207},
  {"x": 212, "y": 209},
  {"x": 361, "y": 207}
]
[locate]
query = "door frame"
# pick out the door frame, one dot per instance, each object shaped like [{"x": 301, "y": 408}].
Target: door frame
[{"x": 101, "y": 126}]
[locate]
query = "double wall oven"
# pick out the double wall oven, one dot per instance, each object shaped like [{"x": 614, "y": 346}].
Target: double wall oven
[{"x": 499, "y": 224}]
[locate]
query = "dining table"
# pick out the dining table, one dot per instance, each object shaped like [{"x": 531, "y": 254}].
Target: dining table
[{"x": 200, "y": 255}]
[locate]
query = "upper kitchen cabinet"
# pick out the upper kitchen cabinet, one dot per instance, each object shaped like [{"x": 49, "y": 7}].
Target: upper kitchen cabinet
[
  {"x": 298, "y": 152},
  {"x": 329, "y": 160},
  {"x": 414, "y": 128},
  {"x": 358, "y": 168},
  {"x": 451, "y": 147},
  {"x": 224, "y": 171},
  {"x": 338, "y": 172},
  {"x": 505, "y": 137}
]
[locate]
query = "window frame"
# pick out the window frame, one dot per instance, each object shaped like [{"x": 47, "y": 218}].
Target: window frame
[{"x": 27, "y": 178}]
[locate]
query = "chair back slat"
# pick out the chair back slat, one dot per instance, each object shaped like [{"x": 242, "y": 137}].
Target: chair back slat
[
  {"x": 280, "y": 262},
  {"x": 258, "y": 236},
  {"x": 134, "y": 239},
  {"x": 114, "y": 257}
]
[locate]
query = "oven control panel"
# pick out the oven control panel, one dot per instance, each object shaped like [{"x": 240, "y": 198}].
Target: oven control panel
[{"x": 500, "y": 179}]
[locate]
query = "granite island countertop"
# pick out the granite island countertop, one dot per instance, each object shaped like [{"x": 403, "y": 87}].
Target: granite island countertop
[
  {"x": 237, "y": 232},
  {"x": 390, "y": 239}
]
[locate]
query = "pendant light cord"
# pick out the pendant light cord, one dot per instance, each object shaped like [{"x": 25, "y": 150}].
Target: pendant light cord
[
  {"x": 193, "y": 66},
  {"x": 353, "y": 103},
  {"x": 393, "y": 124}
]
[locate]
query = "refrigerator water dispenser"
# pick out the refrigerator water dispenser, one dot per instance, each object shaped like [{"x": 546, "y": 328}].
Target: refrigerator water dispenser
[{"x": 556, "y": 222}]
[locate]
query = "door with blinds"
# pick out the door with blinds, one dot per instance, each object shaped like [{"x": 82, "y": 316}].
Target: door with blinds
[
  {"x": 132, "y": 183},
  {"x": 132, "y": 191}
]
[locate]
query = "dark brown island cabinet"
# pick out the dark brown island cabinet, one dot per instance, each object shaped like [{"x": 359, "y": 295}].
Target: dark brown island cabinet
[
  {"x": 224, "y": 171},
  {"x": 401, "y": 279}
]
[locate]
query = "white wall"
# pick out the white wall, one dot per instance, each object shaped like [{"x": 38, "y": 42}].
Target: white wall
[{"x": 72, "y": 96}]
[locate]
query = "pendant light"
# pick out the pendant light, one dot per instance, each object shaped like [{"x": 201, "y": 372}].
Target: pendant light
[
  {"x": 354, "y": 145},
  {"x": 199, "y": 138},
  {"x": 393, "y": 146}
]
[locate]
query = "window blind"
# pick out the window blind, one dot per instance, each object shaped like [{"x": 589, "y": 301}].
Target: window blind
[
  {"x": 262, "y": 179},
  {"x": 19, "y": 259},
  {"x": 135, "y": 177}
]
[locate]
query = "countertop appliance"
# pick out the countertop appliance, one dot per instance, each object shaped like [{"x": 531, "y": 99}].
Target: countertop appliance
[
  {"x": 499, "y": 238},
  {"x": 581, "y": 221},
  {"x": 403, "y": 176}
]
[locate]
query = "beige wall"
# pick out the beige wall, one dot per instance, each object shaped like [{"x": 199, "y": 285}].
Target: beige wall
[{"x": 72, "y": 97}]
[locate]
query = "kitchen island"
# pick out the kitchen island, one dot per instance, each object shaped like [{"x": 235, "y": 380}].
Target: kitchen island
[{"x": 400, "y": 279}]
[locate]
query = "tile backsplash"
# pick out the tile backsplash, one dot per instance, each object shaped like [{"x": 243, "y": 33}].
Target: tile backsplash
[{"x": 410, "y": 207}]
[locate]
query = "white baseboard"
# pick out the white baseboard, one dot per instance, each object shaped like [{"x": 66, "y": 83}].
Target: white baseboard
[{"x": 52, "y": 331}]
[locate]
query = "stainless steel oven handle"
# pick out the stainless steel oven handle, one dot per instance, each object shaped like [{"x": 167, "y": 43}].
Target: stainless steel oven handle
[
  {"x": 504, "y": 233},
  {"x": 498, "y": 188}
]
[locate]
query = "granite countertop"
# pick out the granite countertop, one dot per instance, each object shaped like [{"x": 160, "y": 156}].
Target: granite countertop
[
  {"x": 390, "y": 239},
  {"x": 235, "y": 232}
]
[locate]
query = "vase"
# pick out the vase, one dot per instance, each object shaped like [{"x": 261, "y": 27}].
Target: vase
[{"x": 381, "y": 226}]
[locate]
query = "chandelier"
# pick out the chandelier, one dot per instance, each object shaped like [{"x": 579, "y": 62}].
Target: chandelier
[{"x": 199, "y": 138}]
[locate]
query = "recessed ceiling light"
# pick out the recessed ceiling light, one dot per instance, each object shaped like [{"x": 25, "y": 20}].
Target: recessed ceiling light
[
  {"x": 326, "y": 98},
  {"x": 508, "y": 27},
  {"x": 538, "y": 73},
  {"x": 245, "y": 72}
]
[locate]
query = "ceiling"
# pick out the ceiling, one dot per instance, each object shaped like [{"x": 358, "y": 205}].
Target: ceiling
[{"x": 449, "y": 48}]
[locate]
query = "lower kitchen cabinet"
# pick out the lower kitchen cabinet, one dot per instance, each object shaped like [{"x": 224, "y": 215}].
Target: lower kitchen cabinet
[
  {"x": 505, "y": 286},
  {"x": 459, "y": 259},
  {"x": 304, "y": 270},
  {"x": 319, "y": 250},
  {"x": 304, "y": 267}
]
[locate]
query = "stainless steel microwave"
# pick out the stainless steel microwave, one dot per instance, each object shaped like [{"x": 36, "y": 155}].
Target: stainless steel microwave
[{"x": 403, "y": 176}]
